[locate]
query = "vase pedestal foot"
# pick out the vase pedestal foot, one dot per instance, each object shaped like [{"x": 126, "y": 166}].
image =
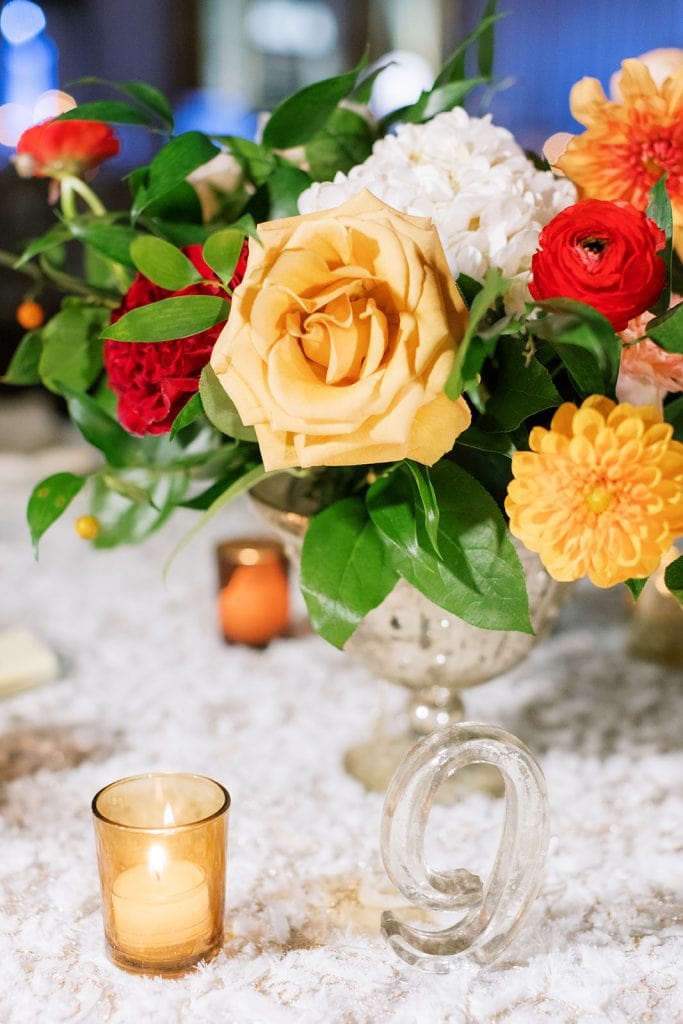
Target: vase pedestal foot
[{"x": 374, "y": 762}]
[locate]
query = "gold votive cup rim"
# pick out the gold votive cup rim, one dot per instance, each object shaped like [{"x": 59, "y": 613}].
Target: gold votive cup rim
[
  {"x": 251, "y": 551},
  {"x": 161, "y": 829}
]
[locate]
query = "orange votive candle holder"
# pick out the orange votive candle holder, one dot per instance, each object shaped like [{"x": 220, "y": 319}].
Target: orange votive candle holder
[{"x": 253, "y": 597}]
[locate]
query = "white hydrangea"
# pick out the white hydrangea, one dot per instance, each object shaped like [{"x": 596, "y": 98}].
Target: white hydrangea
[{"x": 485, "y": 197}]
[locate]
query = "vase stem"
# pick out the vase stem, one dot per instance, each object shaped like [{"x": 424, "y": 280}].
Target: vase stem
[{"x": 434, "y": 707}]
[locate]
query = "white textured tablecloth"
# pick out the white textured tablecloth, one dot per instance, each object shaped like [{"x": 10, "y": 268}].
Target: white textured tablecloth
[{"x": 148, "y": 684}]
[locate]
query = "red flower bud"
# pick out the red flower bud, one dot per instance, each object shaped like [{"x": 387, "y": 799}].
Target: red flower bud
[{"x": 55, "y": 148}]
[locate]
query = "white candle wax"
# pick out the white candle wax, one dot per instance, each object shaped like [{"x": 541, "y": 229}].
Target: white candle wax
[{"x": 160, "y": 905}]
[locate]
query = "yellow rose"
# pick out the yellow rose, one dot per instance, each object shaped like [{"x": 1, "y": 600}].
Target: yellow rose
[{"x": 341, "y": 337}]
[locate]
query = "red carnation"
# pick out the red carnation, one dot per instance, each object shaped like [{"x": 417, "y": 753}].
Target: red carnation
[
  {"x": 154, "y": 380},
  {"x": 55, "y": 148},
  {"x": 604, "y": 254}
]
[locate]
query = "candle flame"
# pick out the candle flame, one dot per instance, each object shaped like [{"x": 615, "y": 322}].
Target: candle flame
[
  {"x": 156, "y": 860},
  {"x": 169, "y": 816}
]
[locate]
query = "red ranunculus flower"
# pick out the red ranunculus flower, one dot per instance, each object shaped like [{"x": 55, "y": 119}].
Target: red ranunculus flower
[
  {"x": 64, "y": 147},
  {"x": 154, "y": 380},
  {"x": 604, "y": 254}
]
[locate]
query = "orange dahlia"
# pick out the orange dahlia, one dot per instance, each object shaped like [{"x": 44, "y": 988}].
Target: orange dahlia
[
  {"x": 629, "y": 145},
  {"x": 600, "y": 493}
]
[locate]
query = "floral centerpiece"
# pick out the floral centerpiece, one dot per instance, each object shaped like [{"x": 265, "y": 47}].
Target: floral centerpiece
[{"x": 444, "y": 342}]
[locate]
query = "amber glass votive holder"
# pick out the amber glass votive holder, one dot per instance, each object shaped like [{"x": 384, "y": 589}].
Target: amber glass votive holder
[
  {"x": 161, "y": 850},
  {"x": 253, "y": 595}
]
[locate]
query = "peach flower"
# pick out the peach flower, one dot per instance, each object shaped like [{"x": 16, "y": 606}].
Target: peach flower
[
  {"x": 341, "y": 338},
  {"x": 647, "y": 372}
]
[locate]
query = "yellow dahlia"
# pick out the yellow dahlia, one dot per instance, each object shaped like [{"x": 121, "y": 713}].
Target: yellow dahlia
[
  {"x": 600, "y": 493},
  {"x": 629, "y": 145}
]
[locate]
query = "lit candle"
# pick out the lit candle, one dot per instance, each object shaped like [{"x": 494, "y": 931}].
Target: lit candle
[
  {"x": 161, "y": 851},
  {"x": 253, "y": 601},
  {"x": 161, "y": 905}
]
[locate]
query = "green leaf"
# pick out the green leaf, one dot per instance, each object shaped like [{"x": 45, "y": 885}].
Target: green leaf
[
  {"x": 478, "y": 575},
  {"x": 659, "y": 210},
  {"x": 486, "y": 40},
  {"x": 48, "y": 500},
  {"x": 346, "y": 569},
  {"x": 475, "y": 437},
  {"x": 673, "y": 414},
  {"x": 585, "y": 342},
  {"x": 425, "y": 493},
  {"x": 222, "y": 250},
  {"x": 280, "y": 194},
  {"x": 126, "y": 520},
  {"x": 163, "y": 264},
  {"x": 523, "y": 388},
  {"x": 187, "y": 415},
  {"x": 454, "y": 68},
  {"x": 111, "y": 111},
  {"x": 110, "y": 240},
  {"x": 220, "y": 409},
  {"x": 179, "y": 233},
  {"x": 434, "y": 101},
  {"x": 673, "y": 578},
  {"x": 23, "y": 367},
  {"x": 299, "y": 117},
  {"x": 130, "y": 490},
  {"x": 346, "y": 140},
  {"x": 98, "y": 428},
  {"x": 255, "y": 160},
  {"x": 149, "y": 97},
  {"x": 171, "y": 166},
  {"x": 636, "y": 587},
  {"x": 667, "y": 330},
  {"x": 71, "y": 350},
  {"x": 56, "y": 236},
  {"x": 168, "y": 319},
  {"x": 495, "y": 286}
]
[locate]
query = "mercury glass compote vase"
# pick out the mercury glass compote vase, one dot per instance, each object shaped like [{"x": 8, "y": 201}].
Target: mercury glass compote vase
[{"x": 435, "y": 655}]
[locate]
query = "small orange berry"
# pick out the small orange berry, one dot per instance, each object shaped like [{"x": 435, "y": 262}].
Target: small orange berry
[
  {"x": 87, "y": 527},
  {"x": 30, "y": 315}
]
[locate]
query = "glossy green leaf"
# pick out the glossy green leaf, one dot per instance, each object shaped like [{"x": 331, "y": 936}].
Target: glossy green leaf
[
  {"x": 150, "y": 97},
  {"x": 659, "y": 210},
  {"x": 344, "y": 141},
  {"x": 163, "y": 263},
  {"x": 434, "y": 101},
  {"x": 494, "y": 287},
  {"x": 667, "y": 330},
  {"x": 673, "y": 577},
  {"x": 478, "y": 575},
  {"x": 71, "y": 353},
  {"x": 426, "y": 496},
  {"x": 48, "y": 500},
  {"x": 254, "y": 159},
  {"x": 23, "y": 367},
  {"x": 283, "y": 189},
  {"x": 110, "y": 240},
  {"x": 190, "y": 413},
  {"x": 523, "y": 388},
  {"x": 220, "y": 409},
  {"x": 222, "y": 251},
  {"x": 585, "y": 342},
  {"x": 171, "y": 166},
  {"x": 486, "y": 40},
  {"x": 110, "y": 111},
  {"x": 299, "y": 117},
  {"x": 168, "y": 319},
  {"x": 98, "y": 428},
  {"x": 346, "y": 569}
]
